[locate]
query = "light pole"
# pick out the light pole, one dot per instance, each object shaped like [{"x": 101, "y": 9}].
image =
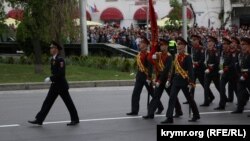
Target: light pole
[
  {"x": 184, "y": 19},
  {"x": 83, "y": 24}
]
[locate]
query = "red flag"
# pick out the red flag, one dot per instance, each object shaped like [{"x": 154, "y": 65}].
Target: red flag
[{"x": 154, "y": 29}]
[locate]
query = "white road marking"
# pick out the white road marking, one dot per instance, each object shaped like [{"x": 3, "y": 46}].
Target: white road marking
[
  {"x": 11, "y": 125},
  {"x": 115, "y": 118}
]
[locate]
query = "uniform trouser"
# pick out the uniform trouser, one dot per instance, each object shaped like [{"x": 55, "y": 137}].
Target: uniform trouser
[
  {"x": 156, "y": 101},
  {"x": 173, "y": 98},
  {"x": 50, "y": 99},
  {"x": 232, "y": 89},
  {"x": 208, "y": 79},
  {"x": 200, "y": 76},
  {"x": 223, "y": 98},
  {"x": 137, "y": 93},
  {"x": 243, "y": 94}
]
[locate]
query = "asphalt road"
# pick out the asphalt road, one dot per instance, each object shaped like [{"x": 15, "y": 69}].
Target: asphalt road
[{"x": 102, "y": 112}]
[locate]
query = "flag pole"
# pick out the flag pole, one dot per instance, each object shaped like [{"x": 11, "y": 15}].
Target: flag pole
[
  {"x": 147, "y": 19},
  {"x": 83, "y": 22}
]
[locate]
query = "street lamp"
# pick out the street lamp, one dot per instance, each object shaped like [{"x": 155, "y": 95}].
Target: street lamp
[
  {"x": 83, "y": 24},
  {"x": 184, "y": 19}
]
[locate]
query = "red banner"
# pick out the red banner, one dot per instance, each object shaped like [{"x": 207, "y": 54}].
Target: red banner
[{"x": 154, "y": 28}]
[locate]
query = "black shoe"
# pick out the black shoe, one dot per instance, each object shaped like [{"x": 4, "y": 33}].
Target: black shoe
[
  {"x": 194, "y": 119},
  {"x": 132, "y": 114},
  {"x": 159, "y": 111},
  {"x": 211, "y": 99},
  {"x": 230, "y": 100},
  {"x": 73, "y": 123},
  {"x": 204, "y": 105},
  {"x": 35, "y": 122},
  {"x": 177, "y": 115},
  {"x": 219, "y": 108},
  {"x": 237, "y": 111},
  {"x": 248, "y": 115},
  {"x": 148, "y": 117},
  {"x": 185, "y": 102},
  {"x": 168, "y": 120}
]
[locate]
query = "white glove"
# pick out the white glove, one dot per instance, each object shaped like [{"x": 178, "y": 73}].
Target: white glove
[
  {"x": 47, "y": 80},
  {"x": 221, "y": 72},
  {"x": 148, "y": 81},
  {"x": 207, "y": 71},
  {"x": 157, "y": 84},
  {"x": 167, "y": 84},
  {"x": 242, "y": 78},
  {"x": 154, "y": 56}
]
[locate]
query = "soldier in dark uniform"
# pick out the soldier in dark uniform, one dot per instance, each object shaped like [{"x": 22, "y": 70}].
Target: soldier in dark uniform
[
  {"x": 163, "y": 66},
  {"x": 244, "y": 79},
  {"x": 198, "y": 53},
  {"x": 235, "y": 48},
  {"x": 59, "y": 86},
  {"x": 228, "y": 72},
  {"x": 183, "y": 79},
  {"x": 143, "y": 78},
  {"x": 212, "y": 68}
]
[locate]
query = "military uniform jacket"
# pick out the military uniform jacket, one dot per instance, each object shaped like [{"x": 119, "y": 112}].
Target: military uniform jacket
[
  {"x": 58, "y": 73},
  {"x": 198, "y": 59},
  {"x": 144, "y": 66},
  {"x": 213, "y": 62},
  {"x": 163, "y": 66},
  {"x": 185, "y": 62},
  {"x": 245, "y": 67},
  {"x": 229, "y": 64}
]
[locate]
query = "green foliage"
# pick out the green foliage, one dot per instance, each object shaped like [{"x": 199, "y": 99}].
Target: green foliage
[
  {"x": 175, "y": 3},
  {"x": 176, "y": 12},
  {"x": 10, "y": 60}
]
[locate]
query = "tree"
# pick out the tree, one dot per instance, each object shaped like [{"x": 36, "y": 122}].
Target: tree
[
  {"x": 44, "y": 20},
  {"x": 176, "y": 11}
]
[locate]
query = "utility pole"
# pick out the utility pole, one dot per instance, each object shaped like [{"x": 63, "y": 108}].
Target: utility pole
[
  {"x": 83, "y": 24},
  {"x": 184, "y": 19},
  {"x": 147, "y": 19}
]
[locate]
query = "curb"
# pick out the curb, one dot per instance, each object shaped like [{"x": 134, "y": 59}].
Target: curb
[{"x": 74, "y": 84}]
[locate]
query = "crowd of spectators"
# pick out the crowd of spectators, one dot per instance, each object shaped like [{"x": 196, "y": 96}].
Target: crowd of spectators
[{"x": 130, "y": 36}]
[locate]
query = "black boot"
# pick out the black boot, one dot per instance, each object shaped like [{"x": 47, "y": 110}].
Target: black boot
[
  {"x": 132, "y": 114},
  {"x": 159, "y": 111},
  {"x": 177, "y": 115},
  {"x": 204, "y": 105},
  {"x": 73, "y": 123},
  {"x": 219, "y": 108},
  {"x": 148, "y": 117},
  {"x": 35, "y": 122},
  {"x": 168, "y": 120},
  {"x": 185, "y": 102},
  {"x": 238, "y": 111},
  {"x": 194, "y": 119}
]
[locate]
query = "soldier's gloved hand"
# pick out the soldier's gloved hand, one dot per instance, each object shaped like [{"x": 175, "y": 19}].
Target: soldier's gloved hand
[
  {"x": 242, "y": 78},
  {"x": 154, "y": 56},
  {"x": 157, "y": 84},
  {"x": 47, "y": 80},
  {"x": 148, "y": 81},
  {"x": 207, "y": 71},
  {"x": 221, "y": 72},
  {"x": 167, "y": 84}
]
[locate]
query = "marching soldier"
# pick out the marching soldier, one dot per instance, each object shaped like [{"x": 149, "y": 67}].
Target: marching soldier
[
  {"x": 212, "y": 68},
  {"x": 198, "y": 54},
  {"x": 183, "y": 79},
  {"x": 59, "y": 86},
  {"x": 244, "y": 79},
  {"x": 163, "y": 65},
  {"x": 228, "y": 72},
  {"x": 143, "y": 78},
  {"x": 234, "y": 48}
]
